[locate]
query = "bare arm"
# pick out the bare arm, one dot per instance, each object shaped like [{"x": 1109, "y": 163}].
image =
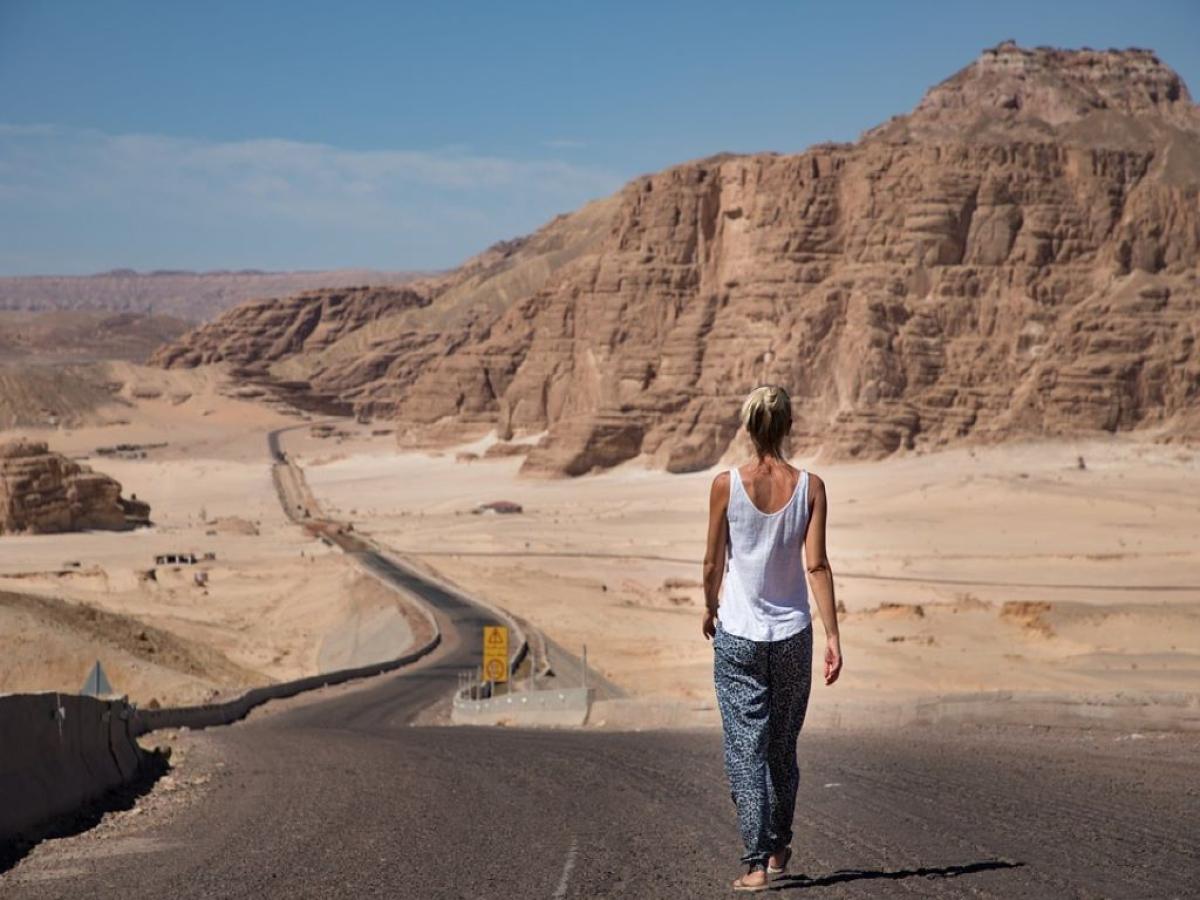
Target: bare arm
[
  {"x": 820, "y": 578},
  {"x": 714, "y": 553}
]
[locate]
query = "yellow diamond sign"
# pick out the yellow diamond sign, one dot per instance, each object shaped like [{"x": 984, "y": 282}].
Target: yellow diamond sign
[{"x": 495, "y": 653}]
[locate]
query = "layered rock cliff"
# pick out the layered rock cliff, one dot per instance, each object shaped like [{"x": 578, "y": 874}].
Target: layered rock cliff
[
  {"x": 43, "y": 492},
  {"x": 1017, "y": 257},
  {"x": 263, "y": 331}
]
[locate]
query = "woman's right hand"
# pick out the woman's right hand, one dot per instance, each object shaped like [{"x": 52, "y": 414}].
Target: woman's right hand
[
  {"x": 833, "y": 658},
  {"x": 710, "y": 624}
]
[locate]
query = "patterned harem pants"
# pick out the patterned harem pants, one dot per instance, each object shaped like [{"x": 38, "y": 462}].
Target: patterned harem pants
[{"x": 762, "y": 690}]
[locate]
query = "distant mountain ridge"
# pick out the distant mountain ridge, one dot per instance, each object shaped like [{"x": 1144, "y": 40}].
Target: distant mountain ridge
[
  {"x": 1017, "y": 257},
  {"x": 193, "y": 296},
  {"x": 83, "y": 335}
]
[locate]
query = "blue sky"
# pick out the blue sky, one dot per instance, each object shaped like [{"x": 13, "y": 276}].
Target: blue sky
[{"x": 392, "y": 135}]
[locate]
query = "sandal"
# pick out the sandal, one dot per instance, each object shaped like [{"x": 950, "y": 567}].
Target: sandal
[
  {"x": 741, "y": 886},
  {"x": 782, "y": 867}
]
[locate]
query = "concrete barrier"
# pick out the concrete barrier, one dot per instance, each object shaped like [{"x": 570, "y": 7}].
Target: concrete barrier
[
  {"x": 58, "y": 753},
  {"x": 226, "y": 712},
  {"x": 565, "y": 707}
]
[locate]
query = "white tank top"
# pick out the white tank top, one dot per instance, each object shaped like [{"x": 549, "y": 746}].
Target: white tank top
[{"x": 765, "y": 592}]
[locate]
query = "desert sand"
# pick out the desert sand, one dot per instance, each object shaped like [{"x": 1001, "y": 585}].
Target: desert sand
[
  {"x": 986, "y": 569},
  {"x": 992, "y": 569},
  {"x": 275, "y": 603}
]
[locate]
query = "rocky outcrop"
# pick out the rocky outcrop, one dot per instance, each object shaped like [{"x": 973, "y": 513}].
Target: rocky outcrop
[
  {"x": 1017, "y": 257},
  {"x": 43, "y": 492},
  {"x": 269, "y": 330},
  {"x": 378, "y": 354},
  {"x": 1013, "y": 94}
]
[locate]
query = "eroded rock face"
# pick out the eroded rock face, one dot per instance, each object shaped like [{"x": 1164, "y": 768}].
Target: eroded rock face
[
  {"x": 43, "y": 492},
  {"x": 271, "y": 329},
  {"x": 1018, "y": 257},
  {"x": 935, "y": 282}
]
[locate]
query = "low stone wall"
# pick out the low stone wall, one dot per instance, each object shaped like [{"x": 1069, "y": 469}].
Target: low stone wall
[
  {"x": 566, "y": 707},
  {"x": 58, "y": 753}
]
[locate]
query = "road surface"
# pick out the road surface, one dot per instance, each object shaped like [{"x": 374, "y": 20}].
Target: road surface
[{"x": 341, "y": 796}]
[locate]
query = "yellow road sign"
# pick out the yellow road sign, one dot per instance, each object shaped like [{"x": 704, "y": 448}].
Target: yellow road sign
[{"x": 495, "y": 653}]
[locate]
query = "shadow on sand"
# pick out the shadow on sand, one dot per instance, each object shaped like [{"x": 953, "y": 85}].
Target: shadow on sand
[
  {"x": 153, "y": 766},
  {"x": 790, "y": 882}
]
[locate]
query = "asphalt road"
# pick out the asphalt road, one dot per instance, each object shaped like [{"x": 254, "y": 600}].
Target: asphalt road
[{"x": 342, "y": 796}]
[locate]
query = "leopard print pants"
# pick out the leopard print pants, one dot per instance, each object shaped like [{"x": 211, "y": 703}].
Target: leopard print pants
[{"x": 762, "y": 690}]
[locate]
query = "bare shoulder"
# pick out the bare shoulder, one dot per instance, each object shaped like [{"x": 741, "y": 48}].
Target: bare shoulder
[
  {"x": 720, "y": 488},
  {"x": 816, "y": 485},
  {"x": 718, "y": 497}
]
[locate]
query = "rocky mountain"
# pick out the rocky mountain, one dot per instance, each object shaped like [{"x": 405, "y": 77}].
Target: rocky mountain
[
  {"x": 43, "y": 492},
  {"x": 265, "y": 331},
  {"x": 1016, "y": 257},
  {"x": 193, "y": 296},
  {"x": 329, "y": 351}
]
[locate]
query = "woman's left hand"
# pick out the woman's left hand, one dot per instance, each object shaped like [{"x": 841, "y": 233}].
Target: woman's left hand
[{"x": 833, "y": 659}]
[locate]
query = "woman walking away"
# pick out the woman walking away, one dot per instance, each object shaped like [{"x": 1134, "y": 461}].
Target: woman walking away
[{"x": 760, "y": 515}]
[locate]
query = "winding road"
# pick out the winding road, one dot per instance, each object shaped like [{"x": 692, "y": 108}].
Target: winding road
[{"x": 345, "y": 795}]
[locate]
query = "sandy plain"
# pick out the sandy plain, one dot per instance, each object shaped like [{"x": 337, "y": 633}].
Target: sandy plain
[
  {"x": 987, "y": 569},
  {"x": 977, "y": 569},
  {"x": 276, "y": 603}
]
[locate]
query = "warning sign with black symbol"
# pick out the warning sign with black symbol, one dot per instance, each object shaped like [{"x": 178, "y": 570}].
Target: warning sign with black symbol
[{"x": 495, "y": 653}]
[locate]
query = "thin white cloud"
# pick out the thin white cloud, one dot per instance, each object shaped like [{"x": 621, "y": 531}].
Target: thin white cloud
[
  {"x": 317, "y": 165},
  {"x": 283, "y": 184},
  {"x": 11, "y": 130}
]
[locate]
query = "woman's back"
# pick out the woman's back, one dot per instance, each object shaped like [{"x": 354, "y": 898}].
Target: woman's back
[
  {"x": 768, "y": 487},
  {"x": 765, "y": 595}
]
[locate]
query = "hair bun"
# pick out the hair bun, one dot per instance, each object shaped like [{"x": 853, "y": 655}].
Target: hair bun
[{"x": 767, "y": 418}]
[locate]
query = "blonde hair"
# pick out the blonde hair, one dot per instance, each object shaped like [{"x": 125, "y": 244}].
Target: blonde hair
[{"x": 767, "y": 418}]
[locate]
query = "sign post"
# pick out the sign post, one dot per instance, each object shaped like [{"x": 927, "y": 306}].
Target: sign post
[{"x": 495, "y": 653}]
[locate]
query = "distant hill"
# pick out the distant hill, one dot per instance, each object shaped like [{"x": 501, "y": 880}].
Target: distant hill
[
  {"x": 85, "y": 335},
  {"x": 192, "y": 296}
]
